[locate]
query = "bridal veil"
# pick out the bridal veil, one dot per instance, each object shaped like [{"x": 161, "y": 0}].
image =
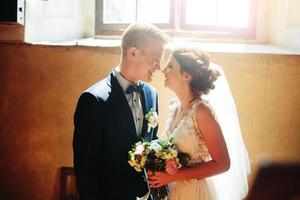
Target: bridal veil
[{"x": 233, "y": 184}]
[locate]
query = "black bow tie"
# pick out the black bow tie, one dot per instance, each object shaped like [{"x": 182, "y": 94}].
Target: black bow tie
[{"x": 134, "y": 88}]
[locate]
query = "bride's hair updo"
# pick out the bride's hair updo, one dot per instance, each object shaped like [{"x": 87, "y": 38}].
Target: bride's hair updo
[{"x": 196, "y": 63}]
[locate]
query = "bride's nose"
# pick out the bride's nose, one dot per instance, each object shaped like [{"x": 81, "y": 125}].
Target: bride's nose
[{"x": 164, "y": 71}]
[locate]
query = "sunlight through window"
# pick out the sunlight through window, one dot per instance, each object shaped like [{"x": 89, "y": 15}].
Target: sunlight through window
[
  {"x": 235, "y": 18},
  {"x": 232, "y": 13},
  {"x": 119, "y": 11},
  {"x": 127, "y": 11},
  {"x": 149, "y": 11}
]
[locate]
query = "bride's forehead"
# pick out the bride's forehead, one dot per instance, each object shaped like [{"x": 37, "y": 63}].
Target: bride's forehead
[{"x": 172, "y": 60}]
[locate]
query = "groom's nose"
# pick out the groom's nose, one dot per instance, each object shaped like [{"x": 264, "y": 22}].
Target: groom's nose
[{"x": 157, "y": 66}]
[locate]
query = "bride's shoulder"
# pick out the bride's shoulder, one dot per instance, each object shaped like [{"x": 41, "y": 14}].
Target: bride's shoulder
[{"x": 203, "y": 108}]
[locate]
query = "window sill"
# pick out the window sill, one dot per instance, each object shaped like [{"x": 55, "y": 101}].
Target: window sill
[{"x": 206, "y": 46}]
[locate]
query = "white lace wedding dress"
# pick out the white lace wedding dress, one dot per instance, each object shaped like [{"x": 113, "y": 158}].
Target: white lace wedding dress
[
  {"x": 230, "y": 185},
  {"x": 188, "y": 140}
]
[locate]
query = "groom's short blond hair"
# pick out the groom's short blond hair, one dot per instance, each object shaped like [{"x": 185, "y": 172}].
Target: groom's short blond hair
[{"x": 136, "y": 35}]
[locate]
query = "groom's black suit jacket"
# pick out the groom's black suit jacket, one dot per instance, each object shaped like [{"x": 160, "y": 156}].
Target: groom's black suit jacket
[{"x": 104, "y": 132}]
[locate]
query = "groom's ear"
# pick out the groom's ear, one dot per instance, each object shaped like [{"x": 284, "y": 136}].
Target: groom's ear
[{"x": 131, "y": 52}]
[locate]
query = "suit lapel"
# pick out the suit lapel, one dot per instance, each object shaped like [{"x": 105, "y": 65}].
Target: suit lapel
[
  {"x": 147, "y": 104},
  {"x": 121, "y": 101}
]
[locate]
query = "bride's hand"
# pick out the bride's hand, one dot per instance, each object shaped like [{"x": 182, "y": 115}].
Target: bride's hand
[{"x": 158, "y": 179}]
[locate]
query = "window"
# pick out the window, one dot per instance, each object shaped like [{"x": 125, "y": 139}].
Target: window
[{"x": 225, "y": 18}]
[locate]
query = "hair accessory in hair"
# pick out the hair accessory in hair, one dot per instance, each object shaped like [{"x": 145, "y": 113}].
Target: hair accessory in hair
[{"x": 200, "y": 62}]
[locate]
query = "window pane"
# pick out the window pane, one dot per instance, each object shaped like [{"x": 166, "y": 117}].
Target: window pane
[
  {"x": 118, "y": 11},
  {"x": 232, "y": 13},
  {"x": 124, "y": 11},
  {"x": 154, "y": 11},
  {"x": 201, "y": 12}
]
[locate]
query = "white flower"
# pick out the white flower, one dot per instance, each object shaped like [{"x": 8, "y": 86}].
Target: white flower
[
  {"x": 152, "y": 119},
  {"x": 155, "y": 146}
]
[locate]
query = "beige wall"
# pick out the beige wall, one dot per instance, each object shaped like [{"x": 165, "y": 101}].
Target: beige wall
[
  {"x": 40, "y": 86},
  {"x": 284, "y": 23}
]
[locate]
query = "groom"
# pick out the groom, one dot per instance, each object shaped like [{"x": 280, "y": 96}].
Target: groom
[{"x": 110, "y": 118}]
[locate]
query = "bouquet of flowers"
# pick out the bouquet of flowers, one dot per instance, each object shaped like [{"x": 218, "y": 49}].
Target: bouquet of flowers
[{"x": 157, "y": 155}]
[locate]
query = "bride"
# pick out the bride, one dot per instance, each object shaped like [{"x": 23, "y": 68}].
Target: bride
[{"x": 205, "y": 127}]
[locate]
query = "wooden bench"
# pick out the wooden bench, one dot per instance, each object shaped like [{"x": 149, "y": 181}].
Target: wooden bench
[
  {"x": 276, "y": 182},
  {"x": 68, "y": 184}
]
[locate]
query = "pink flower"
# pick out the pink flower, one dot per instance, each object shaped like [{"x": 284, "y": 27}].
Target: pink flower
[
  {"x": 139, "y": 149},
  {"x": 171, "y": 166}
]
